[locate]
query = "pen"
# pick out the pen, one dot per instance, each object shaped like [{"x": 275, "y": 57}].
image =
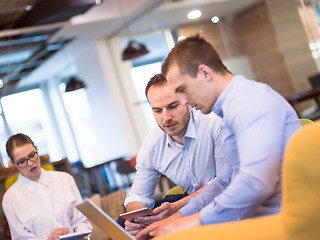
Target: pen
[{"x": 55, "y": 222}]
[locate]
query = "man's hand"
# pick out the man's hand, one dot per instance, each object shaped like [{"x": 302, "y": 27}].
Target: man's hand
[
  {"x": 133, "y": 228},
  {"x": 144, "y": 234},
  {"x": 165, "y": 210},
  {"x": 177, "y": 225}
]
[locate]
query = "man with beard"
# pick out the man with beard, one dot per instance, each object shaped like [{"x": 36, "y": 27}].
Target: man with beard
[{"x": 186, "y": 147}]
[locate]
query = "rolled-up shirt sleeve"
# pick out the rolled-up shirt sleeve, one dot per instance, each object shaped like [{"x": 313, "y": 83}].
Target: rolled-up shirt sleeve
[
  {"x": 142, "y": 189},
  {"x": 146, "y": 178}
]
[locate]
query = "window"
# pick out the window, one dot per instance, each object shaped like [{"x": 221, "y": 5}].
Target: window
[
  {"x": 25, "y": 112},
  {"x": 140, "y": 77},
  {"x": 79, "y": 113},
  {"x": 146, "y": 67}
]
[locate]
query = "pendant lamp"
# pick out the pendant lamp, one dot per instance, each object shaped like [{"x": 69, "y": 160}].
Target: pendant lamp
[
  {"x": 134, "y": 50},
  {"x": 74, "y": 84}
]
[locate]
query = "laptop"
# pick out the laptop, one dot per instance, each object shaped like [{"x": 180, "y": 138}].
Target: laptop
[{"x": 103, "y": 221}]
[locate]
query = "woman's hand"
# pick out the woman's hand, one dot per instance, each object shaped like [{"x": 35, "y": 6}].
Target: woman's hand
[{"x": 58, "y": 232}]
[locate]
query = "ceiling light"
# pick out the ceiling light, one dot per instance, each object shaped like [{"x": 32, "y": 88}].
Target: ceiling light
[
  {"x": 134, "y": 50},
  {"x": 215, "y": 19},
  {"x": 194, "y": 14},
  {"x": 28, "y": 7},
  {"x": 74, "y": 84},
  {"x": 181, "y": 38}
]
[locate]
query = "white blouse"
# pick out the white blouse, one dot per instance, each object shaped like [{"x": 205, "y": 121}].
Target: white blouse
[{"x": 32, "y": 208}]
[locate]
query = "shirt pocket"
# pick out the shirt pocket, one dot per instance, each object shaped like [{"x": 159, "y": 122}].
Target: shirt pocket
[{"x": 27, "y": 217}]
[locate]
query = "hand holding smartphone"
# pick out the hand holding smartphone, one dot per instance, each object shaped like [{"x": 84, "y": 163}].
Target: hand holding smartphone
[{"x": 142, "y": 212}]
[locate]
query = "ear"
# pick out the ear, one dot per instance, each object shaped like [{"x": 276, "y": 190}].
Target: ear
[
  {"x": 12, "y": 163},
  {"x": 205, "y": 71}
]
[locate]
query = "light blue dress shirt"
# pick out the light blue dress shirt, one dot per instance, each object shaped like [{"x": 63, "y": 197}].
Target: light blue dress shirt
[
  {"x": 191, "y": 165},
  {"x": 256, "y": 127}
]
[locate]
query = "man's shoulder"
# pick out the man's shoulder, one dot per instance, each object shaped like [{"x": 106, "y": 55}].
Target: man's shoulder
[
  {"x": 200, "y": 117},
  {"x": 153, "y": 143},
  {"x": 197, "y": 114},
  {"x": 155, "y": 136}
]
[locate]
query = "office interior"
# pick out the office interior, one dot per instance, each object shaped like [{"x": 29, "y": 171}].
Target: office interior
[{"x": 271, "y": 41}]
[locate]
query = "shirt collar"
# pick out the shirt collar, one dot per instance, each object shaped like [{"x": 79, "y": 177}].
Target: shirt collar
[
  {"x": 190, "y": 133},
  {"x": 217, "y": 107},
  {"x": 30, "y": 185}
]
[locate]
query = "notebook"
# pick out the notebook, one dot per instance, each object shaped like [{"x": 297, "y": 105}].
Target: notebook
[
  {"x": 103, "y": 221},
  {"x": 74, "y": 236}
]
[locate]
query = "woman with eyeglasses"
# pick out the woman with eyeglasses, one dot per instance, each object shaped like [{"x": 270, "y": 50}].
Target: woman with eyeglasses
[{"x": 40, "y": 204}]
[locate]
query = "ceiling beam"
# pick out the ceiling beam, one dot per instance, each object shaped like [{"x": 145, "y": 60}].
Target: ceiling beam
[{"x": 18, "y": 31}]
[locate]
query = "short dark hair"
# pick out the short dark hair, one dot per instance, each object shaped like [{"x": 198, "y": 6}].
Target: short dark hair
[
  {"x": 17, "y": 140},
  {"x": 157, "y": 80},
  {"x": 189, "y": 53}
]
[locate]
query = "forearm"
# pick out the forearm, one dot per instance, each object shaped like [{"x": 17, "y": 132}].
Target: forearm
[
  {"x": 131, "y": 206},
  {"x": 234, "y": 205},
  {"x": 142, "y": 189},
  {"x": 184, "y": 201},
  {"x": 203, "y": 197}
]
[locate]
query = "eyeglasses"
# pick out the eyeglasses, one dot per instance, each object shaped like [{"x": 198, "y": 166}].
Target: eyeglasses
[{"x": 23, "y": 162}]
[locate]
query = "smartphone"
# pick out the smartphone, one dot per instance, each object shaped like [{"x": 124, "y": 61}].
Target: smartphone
[{"x": 142, "y": 212}]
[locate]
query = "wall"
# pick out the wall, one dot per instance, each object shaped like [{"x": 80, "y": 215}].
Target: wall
[
  {"x": 225, "y": 40},
  {"x": 292, "y": 42},
  {"x": 257, "y": 34}
]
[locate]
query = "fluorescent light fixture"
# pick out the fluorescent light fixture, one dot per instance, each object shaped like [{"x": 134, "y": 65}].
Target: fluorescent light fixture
[
  {"x": 194, "y": 14},
  {"x": 215, "y": 19}
]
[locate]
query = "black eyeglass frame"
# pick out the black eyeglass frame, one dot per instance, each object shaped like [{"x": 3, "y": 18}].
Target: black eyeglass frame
[{"x": 23, "y": 162}]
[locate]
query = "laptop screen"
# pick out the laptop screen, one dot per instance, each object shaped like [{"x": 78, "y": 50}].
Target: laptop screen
[{"x": 103, "y": 221}]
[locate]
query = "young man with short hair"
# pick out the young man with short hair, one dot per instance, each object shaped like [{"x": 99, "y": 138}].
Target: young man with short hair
[{"x": 186, "y": 147}]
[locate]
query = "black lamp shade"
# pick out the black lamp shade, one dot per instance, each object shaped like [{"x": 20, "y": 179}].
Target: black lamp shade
[
  {"x": 134, "y": 50},
  {"x": 74, "y": 84}
]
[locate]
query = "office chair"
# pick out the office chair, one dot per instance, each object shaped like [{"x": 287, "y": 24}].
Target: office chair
[{"x": 314, "y": 80}]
